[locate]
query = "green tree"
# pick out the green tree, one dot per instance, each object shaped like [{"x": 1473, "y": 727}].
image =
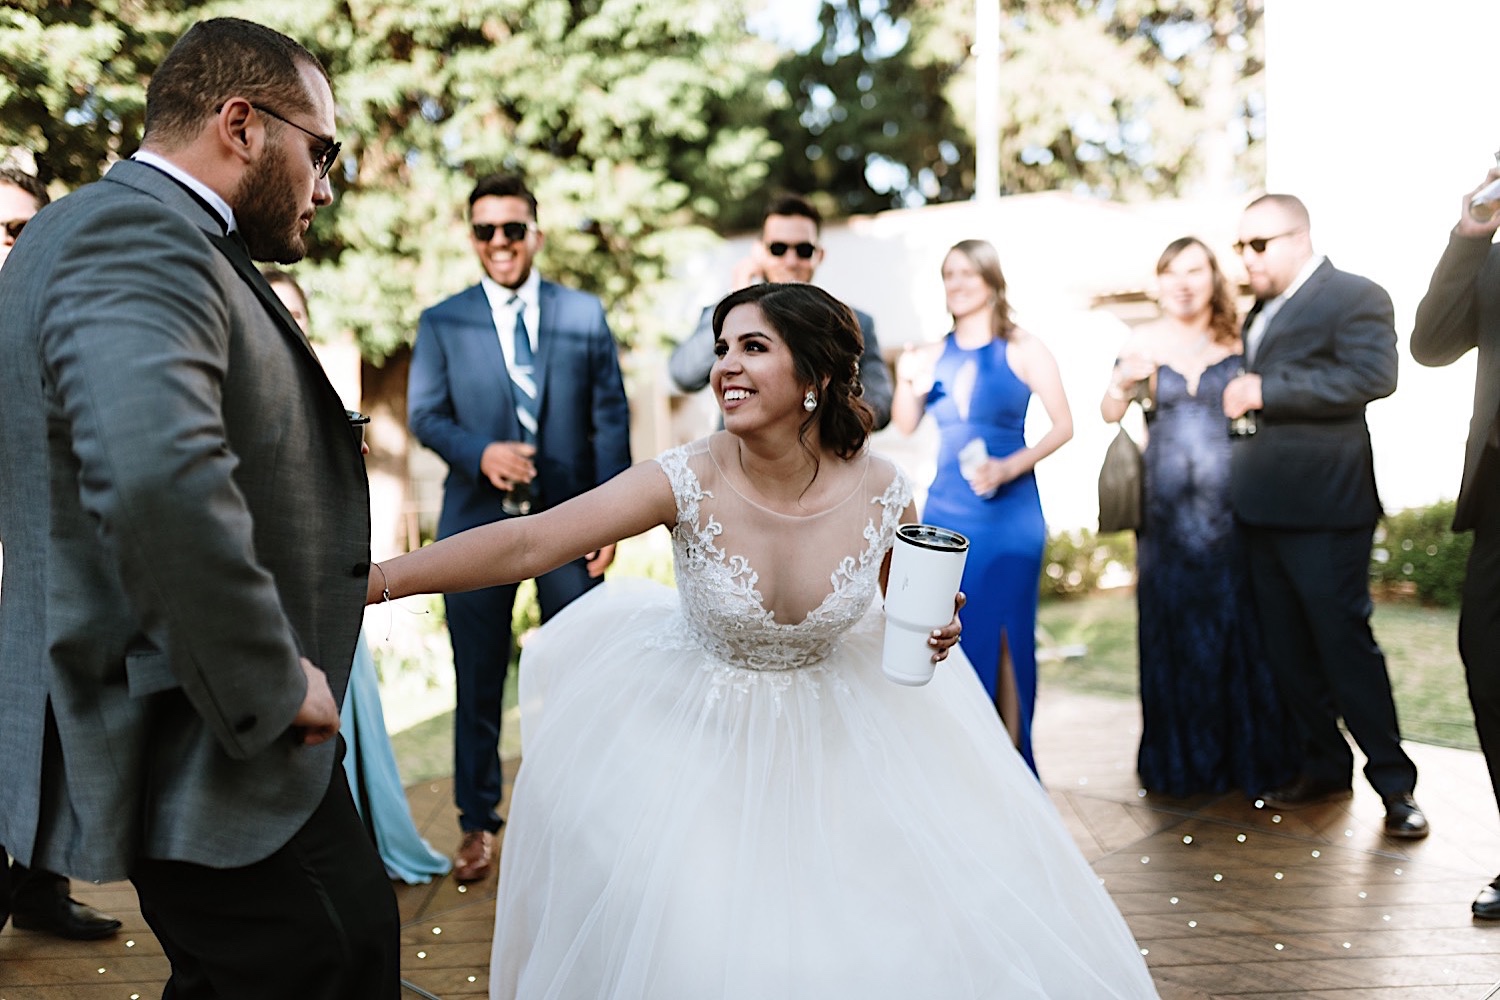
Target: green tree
[
  {"x": 634, "y": 121},
  {"x": 863, "y": 119},
  {"x": 1126, "y": 98},
  {"x": 73, "y": 80}
]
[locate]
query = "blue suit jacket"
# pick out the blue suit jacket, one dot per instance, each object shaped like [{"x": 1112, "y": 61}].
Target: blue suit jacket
[{"x": 459, "y": 400}]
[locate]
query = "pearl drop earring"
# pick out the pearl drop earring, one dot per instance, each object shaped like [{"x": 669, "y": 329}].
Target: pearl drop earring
[{"x": 809, "y": 402}]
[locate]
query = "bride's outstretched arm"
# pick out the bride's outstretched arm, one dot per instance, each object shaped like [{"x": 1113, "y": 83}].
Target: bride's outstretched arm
[{"x": 520, "y": 548}]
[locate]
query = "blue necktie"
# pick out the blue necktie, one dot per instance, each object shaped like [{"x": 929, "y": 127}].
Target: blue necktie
[{"x": 522, "y": 379}]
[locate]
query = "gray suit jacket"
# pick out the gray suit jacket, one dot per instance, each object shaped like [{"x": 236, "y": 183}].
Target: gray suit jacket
[
  {"x": 1459, "y": 313},
  {"x": 184, "y": 511}
]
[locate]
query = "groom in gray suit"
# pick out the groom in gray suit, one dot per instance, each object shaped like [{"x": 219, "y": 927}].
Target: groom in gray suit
[{"x": 185, "y": 519}]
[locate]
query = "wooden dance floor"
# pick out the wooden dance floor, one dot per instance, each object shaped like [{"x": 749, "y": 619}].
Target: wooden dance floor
[{"x": 1229, "y": 902}]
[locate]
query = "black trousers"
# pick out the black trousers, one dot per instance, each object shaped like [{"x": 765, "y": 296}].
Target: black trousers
[
  {"x": 479, "y": 628},
  {"x": 315, "y": 920},
  {"x": 1479, "y": 618},
  {"x": 1312, "y": 593}
]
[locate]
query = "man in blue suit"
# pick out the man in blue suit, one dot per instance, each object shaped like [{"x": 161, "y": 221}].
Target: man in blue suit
[{"x": 515, "y": 382}]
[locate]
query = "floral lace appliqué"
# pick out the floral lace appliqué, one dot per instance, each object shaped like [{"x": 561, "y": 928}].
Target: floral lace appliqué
[{"x": 721, "y": 605}]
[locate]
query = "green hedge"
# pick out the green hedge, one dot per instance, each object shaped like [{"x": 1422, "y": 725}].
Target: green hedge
[{"x": 1415, "y": 553}]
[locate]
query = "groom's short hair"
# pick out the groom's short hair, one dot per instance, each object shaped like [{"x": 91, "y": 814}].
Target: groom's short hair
[{"x": 221, "y": 58}]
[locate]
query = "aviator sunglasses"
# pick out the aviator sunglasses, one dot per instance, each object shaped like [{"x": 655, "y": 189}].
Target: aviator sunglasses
[
  {"x": 804, "y": 250},
  {"x": 513, "y": 231},
  {"x": 1260, "y": 243}
]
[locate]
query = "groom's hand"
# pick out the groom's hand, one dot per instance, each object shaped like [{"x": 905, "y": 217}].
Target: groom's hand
[{"x": 317, "y": 721}]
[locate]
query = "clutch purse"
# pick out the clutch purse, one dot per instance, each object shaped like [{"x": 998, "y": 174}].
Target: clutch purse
[{"x": 1121, "y": 479}]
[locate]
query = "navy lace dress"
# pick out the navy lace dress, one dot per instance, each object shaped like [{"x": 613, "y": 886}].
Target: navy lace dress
[{"x": 1212, "y": 720}]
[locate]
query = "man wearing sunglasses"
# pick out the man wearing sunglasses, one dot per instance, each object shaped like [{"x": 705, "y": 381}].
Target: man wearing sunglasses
[
  {"x": 186, "y": 525},
  {"x": 787, "y": 251},
  {"x": 515, "y": 383},
  {"x": 37, "y": 899},
  {"x": 21, "y": 197},
  {"x": 1460, "y": 313},
  {"x": 1320, "y": 344}
]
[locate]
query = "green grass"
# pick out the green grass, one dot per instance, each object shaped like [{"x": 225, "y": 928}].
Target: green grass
[{"x": 1420, "y": 643}]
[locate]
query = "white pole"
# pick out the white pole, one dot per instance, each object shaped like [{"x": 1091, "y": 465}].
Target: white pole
[{"x": 987, "y": 100}]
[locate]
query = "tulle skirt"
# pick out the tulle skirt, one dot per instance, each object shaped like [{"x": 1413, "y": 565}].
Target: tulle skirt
[{"x": 682, "y": 829}]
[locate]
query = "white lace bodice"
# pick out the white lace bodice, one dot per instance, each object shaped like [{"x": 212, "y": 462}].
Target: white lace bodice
[{"x": 769, "y": 591}]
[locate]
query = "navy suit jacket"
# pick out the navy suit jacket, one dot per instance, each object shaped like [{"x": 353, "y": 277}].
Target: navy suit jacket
[
  {"x": 1328, "y": 352},
  {"x": 459, "y": 400}
]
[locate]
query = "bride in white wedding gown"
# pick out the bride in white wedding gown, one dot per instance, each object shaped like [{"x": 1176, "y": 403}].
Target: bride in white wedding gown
[{"x": 721, "y": 794}]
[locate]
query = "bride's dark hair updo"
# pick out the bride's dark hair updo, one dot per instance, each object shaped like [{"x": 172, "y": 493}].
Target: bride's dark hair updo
[{"x": 826, "y": 346}]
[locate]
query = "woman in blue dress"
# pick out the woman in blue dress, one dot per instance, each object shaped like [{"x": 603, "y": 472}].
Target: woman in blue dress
[
  {"x": 977, "y": 383},
  {"x": 1211, "y": 717}
]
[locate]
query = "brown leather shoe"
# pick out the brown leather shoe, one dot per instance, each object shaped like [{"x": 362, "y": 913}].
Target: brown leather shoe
[{"x": 476, "y": 856}]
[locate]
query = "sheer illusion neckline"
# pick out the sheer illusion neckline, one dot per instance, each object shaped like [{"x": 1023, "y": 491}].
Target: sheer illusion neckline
[
  {"x": 1193, "y": 381},
  {"x": 854, "y": 491}
]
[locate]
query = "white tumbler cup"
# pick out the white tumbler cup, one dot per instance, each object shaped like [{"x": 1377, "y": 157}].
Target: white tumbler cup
[{"x": 927, "y": 565}]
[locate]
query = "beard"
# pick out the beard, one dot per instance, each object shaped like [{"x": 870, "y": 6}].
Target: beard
[{"x": 266, "y": 211}]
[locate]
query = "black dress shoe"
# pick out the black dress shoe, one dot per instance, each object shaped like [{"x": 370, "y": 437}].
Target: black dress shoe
[
  {"x": 1305, "y": 792},
  {"x": 1487, "y": 903},
  {"x": 1403, "y": 819},
  {"x": 60, "y": 915}
]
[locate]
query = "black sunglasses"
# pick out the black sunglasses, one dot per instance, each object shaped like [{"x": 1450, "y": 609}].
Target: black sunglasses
[
  {"x": 327, "y": 155},
  {"x": 513, "y": 231},
  {"x": 13, "y": 227},
  {"x": 1260, "y": 243},
  {"x": 804, "y": 250}
]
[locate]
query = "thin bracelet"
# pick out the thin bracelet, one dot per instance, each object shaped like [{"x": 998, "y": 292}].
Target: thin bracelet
[{"x": 385, "y": 591}]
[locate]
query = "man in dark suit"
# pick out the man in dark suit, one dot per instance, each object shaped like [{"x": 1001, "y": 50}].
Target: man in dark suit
[
  {"x": 515, "y": 382},
  {"x": 788, "y": 251},
  {"x": 1461, "y": 312},
  {"x": 38, "y": 899},
  {"x": 1320, "y": 344},
  {"x": 184, "y": 514}
]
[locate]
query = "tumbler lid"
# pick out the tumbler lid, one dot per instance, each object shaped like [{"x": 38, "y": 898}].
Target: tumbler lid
[{"x": 930, "y": 536}]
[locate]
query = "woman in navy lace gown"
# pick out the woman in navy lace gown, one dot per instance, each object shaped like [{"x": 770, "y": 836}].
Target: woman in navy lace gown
[{"x": 1211, "y": 717}]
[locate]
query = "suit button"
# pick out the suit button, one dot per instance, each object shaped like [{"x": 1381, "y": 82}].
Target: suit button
[
  {"x": 245, "y": 725},
  {"x": 360, "y": 569}
]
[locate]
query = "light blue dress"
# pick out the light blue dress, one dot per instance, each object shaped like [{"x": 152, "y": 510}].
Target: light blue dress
[{"x": 376, "y": 783}]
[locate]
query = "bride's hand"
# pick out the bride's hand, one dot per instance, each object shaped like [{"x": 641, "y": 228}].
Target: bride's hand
[{"x": 942, "y": 639}]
